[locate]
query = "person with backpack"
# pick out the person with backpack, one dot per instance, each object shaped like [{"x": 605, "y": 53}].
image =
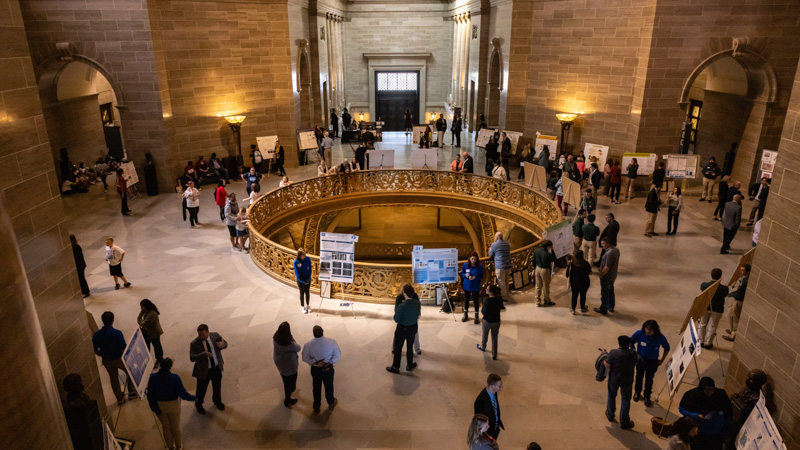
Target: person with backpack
[{"x": 255, "y": 157}]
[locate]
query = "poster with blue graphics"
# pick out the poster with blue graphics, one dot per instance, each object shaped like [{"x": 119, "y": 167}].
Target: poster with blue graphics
[
  {"x": 138, "y": 361},
  {"x": 434, "y": 265}
]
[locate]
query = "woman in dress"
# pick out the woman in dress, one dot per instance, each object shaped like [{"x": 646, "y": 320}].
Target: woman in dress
[
  {"x": 284, "y": 354},
  {"x": 408, "y": 118},
  {"x": 192, "y": 198},
  {"x": 151, "y": 329},
  {"x": 578, "y": 272},
  {"x": 471, "y": 276},
  {"x": 477, "y": 439},
  {"x": 231, "y": 211},
  {"x": 674, "y": 206}
]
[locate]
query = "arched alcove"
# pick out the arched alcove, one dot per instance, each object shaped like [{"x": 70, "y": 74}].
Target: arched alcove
[
  {"x": 494, "y": 85},
  {"x": 304, "y": 87}
]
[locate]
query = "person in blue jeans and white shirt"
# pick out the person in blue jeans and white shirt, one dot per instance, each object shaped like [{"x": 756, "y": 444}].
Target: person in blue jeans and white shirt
[{"x": 648, "y": 343}]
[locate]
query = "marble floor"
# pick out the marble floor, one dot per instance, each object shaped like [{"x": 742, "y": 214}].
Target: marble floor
[{"x": 546, "y": 355}]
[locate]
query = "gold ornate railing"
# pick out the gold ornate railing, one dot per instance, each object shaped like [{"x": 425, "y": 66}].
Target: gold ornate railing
[{"x": 380, "y": 283}]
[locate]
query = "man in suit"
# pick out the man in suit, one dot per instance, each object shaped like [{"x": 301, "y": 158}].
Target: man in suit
[
  {"x": 610, "y": 231},
  {"x": 455, "y": 130},
  {"x": 730, "y": 222},
  {"x": 488, "y": 404},
  {"x": 467, "y": 165},
  {"x": 441, "y": 127},
  {"x": 205, "y": 351},
  {"x": 758, "y": 193}
]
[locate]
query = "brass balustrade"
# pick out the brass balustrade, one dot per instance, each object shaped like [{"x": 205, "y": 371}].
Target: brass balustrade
[{"x": 380, "y": 283}]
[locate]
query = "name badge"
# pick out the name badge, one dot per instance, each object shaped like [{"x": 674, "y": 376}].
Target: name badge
[
  {"x": 643, "y": 344},
  {"x": 467, "y": 271}
]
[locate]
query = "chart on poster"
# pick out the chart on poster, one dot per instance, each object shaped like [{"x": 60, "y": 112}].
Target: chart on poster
[
  {"x": 434, "y": 265},
  {"x": 337, "y": 257},
  {"x": 483, "y": 137},
  {"x": 306, "y": 140}
]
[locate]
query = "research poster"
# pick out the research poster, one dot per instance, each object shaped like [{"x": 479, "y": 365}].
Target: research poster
[
  {"x": 550, "y": 141},
  {"x": 337, "y": 257},
  {"x": 306, "y": 140},
  {"x": 595, "y": 153},
  {"x": 682, "y": 166},
  {"x": 109, "y": 441},
  {"x": 681, "y": 357},
  {"x": 560, "y": 235},
  {"x": 759, "y": 431},
  {"x": 768, "y": 160},
  {"x": 424, "y": 158},
  {"x": 137, "y": 360},
  {"x": 129, "y": 173},
  {"x": 483, "y": 137},
  {"x": 416, "y": 132},
  {"x": 647, "y": 162},
  {"x": 434, "y": 265},
  {"x": 514, "y": 137},
  {"x": 266, "y": 145}
]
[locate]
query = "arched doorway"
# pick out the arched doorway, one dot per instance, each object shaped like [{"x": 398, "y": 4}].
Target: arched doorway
[
  {"x": 304, "y": 87},
  {"x": 494, "y": 86},
  {"x": 727, "y": 100}
]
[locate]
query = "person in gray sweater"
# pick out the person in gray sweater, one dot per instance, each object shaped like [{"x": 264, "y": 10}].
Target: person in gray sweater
[{"x": 284, "y": 354}]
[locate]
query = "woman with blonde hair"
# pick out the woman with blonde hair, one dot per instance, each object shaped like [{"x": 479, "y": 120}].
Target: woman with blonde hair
[{"x": 477, "y": 439}]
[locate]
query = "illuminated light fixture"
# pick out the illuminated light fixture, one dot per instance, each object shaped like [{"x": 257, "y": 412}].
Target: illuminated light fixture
[
  {"x": 235, "y": 122},
  {"x": 361, "y": 117},
  {"x": 566, "y": 120},
  {"x": 566, "y": 117}
]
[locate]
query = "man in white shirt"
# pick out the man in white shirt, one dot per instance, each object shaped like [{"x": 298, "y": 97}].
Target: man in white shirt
[
  {"x": 321, "y": 354},
  {"x": 114, "y": 257},
  {"x": 327, "y": 143}
]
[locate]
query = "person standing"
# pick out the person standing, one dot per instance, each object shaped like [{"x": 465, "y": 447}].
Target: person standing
[
  {"x": 192, "y": 198},
  {"x": 590, "y": 233},
  {"x": 327, "y": 152},
  {"x": 408, "y": 121},
  {"x": 122, "y": 189},
  {"x": 710, "y": 319},
  {"x": 648, "y": 342},
  {"x": 109, "y": 344},
  {"x": 205, "y": 351},
  {"x": 346, "y": 119},
  {"x": 710, "y": 174},
  {"x": 406, "y": 315},
  {"x": 302, "y": 273},
  {"x": 526, "y": 156},
  {"x": 711, "y": 409},
  {"x": 651, "y": 206},
  {"x": 441, "y": 127},
  {"x": 544, "y": 157},
  {"x": 722, "y": 197},
  {"x": 500, "y": 252},
  {"x": 455, "y": 166},
  {"x": 737, "y": 293},
  {"x": 321, "y": 354},
  {"x": 499, "y": 172},
  {"x": 620, "y": 362},
  {"x": 609, "y": 263},
  {"x": 730, "y": 222},
  {"x": 757, "y": 193},
  {"x": 80, "y": 265},
  {"x": 284, "y": 355},
  {"x": 674, "y": 207},
  {"x": 467, "y": 166},
  {"x": 630, "y": 178},
  {"x": 588, "y": 202},
  {"x": 334, "y": 125},
  {"x": 221, "y": 198},
  {"x": 607, "y": 178},
  {"x": 552, "y": 182},
  {"x": 491, "y": 318},
  {"x": 658, "y": 176},
  {"x": 252, "y": 177},
  {"x": 543, "y": 259},
  {"x": 734, "y": 189},
  {"x": 477, "y": 438},
  {"x": 488, "y": 404},
  {"x": 231, "y": 211},
  {"x": 594, "y": 180},
  {"x": 616, "y": 182},
  {"x": 578, "y": 272},
  {"x": 151, "y": 328},
  {"x": 164, "y": 391},
  {"x": 505, "y": 154},
  {"x": 471, "y": 276},
  {"x": 455, "y": 130},
  {"x": 241, "y": 229},
  {"x": 114, "y": 257},
  {"x": 280, "y": 157},
  {"x": 611, "y": 231},
  {"x": 577, "y": 230},
  {"x": 255, "y": 157}
]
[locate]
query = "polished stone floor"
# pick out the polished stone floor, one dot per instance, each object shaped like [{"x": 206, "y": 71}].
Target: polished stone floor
[{"x": 546, "y": 355}]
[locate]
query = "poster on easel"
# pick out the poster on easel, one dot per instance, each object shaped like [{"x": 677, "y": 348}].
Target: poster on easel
[
  {"x": 266, "y": 145},
  {"x": 744, "y": 260},
  {"x": 560, "y": 235},
  {"x": 416, "y": 132},
  {"x": 550, "y": 141},
  {"x": 434, "y": 265},
  {"x": 759, "y": 431},
  {"x": 306, "y": 140},
  {"x": 138, "y": 361},
  {"x": 767, "y": 166},
  {"x": 424, "y": 158},
  {"x": 483, "y": 137},
  {"x": 682, "y": 166},
  {"x": 337, "y": 257},
  {"x": 647, "y": 162},
  {"x": 129, "y": 173},
  {"x": 571, "y": 190},
  {"x": 513, "y": 136},
  {"x": 109, "y": 441},
  {"x": 595, "y": 153},
  {"x": 681, "y": 357},
  {"x": 535, "y": 176}
]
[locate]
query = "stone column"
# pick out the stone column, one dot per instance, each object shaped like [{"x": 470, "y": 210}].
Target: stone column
[
  {"x": 331, "y": 77},
  {"x": 340, "y": 53},
  {"x": 465, "y": 62},
  {"x": 453, "y": 59},
  {"x": 33, "y": 416}
]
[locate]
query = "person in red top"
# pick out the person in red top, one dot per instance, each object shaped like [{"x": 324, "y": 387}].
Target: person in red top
[
  {"x": 122, "y": 188},
  {"x": 221, "y": 195},
  {"x": 202, "y": 168},
  {"x": 616, "y": 182},
  {"x": 190, "y": 173}
]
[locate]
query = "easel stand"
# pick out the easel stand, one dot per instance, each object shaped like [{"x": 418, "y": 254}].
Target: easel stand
[
  {"x": 155, "y": 418},
  {"x": 427, "y": 291},
  {"x": 344, "y": 299}
]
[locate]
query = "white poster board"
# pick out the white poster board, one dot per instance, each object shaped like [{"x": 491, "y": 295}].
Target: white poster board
[
  {"x": 514, "y": 137},
  {"x": 560, "y": 235},
  {"x": 305, "y": 140},
  {"x": 434, "y": 265},
  {"x": 647, "y": 162},
  {"x": 768, "y": 160},
  {"x": 129, "y": 172},
  {"x": 595, "y": 153},
  {"x": 483, "y": 137},
  {"x": 681, "y": 357},
  {"x": 550, "y": 141},
  {"x": 682, "y": 166},
  {"x": 381, "y": 159},
  {"x": 138, "y": 361},
  {"x": 337, "y": 257},
  {"x": 759, "y": 431},
  {"x": 424, "y": 158},
  {"x": 266, "y": 145},
  {"x": 416, "y": 132}
]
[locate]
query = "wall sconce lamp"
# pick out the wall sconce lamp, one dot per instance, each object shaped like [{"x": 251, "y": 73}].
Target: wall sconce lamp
[
  {"x": 361, "y": 117},
  {"x": 566, "y": 120},
  {"x": 235, "y": 122}
]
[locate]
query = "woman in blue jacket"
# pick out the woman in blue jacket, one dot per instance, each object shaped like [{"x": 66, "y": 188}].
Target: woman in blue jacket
[
  {"x": 302, "y": 271},
  {"x": 471, "y": 276}
]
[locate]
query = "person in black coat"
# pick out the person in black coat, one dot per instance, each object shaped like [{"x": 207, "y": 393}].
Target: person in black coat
[
  {"x": 488, "y": 404},
  {"x": 611, "y": 231},
  {"x": 722, "y": 197},
  {"x": 80, "y": 264},
  {"x": 578, "y": 272},
  {"x": 455, "y": 130},
  {"x": 334, "y": 124},
  {"x": 468, "y": 165}
]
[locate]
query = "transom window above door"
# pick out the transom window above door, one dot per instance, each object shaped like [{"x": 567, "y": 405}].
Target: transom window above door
[{"x": 397, "y": 81}]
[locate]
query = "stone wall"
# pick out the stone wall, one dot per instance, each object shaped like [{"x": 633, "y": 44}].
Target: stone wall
[
  {"x": 723, "y": 119},
  {"x": 31, "y": 198},
  {"x": 768, "y": 337}
]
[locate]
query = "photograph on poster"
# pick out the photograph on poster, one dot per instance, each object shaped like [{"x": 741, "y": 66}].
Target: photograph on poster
[{"x": 337, "y": 256}]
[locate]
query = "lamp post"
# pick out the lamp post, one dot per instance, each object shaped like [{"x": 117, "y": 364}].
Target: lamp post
[
  {"x": 566, "y": 120},
  {"x": 235, "y": 122}
]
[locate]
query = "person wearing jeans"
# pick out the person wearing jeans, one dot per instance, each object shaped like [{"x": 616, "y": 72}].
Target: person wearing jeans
[
  {"x": 302, "y": 272},
  {"x": 648, "y": 343},
  {"x": 471, "y": 276},
  {"x": 500, "y": 251},
  {"x": 620, "y": 362},
  {"x": 321, "y": 354},
  {"x": 608, "y": 275},
  {"x": 491, "y": 318}
]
